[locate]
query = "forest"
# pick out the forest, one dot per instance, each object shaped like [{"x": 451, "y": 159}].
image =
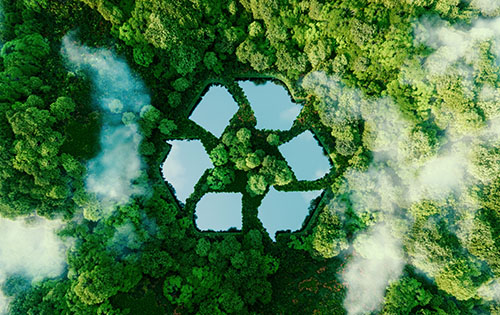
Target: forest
[{"x": 402, "y": 95}]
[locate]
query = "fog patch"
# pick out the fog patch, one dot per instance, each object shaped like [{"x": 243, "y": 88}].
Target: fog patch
[
  {"x": 377, "y": 260},
  {"x": 112, "y": 174},
  {"x": 453, "y": 43},
  {"x": 490, "y": 291},
  {"x": 116, "y": 88},
  {"x": 439, "y": 176},
  {"x": 30, "y": 249},
  {"x": 407, "y": 167},
  {"x": 487, "y": 7},
  {"x": 124, "y": 239}
]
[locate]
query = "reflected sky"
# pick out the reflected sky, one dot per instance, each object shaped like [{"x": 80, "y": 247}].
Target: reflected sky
[
  {"x": 215, "y": 110},
  {"x": 274, "y": 110},
  {"x": 281, "y": 211},
  {"x": 185, "y": 163},
  {"x": 272, "y": 106},
  {"x": 305, "y": 156},
  {"x": 219, "y": 211}
]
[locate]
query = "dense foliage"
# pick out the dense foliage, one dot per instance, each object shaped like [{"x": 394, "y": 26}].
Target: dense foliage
[{"x": 147, "y": 257}]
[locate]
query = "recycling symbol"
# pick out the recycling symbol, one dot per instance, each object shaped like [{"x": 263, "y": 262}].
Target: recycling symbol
[{"x": 251, "y": 158}]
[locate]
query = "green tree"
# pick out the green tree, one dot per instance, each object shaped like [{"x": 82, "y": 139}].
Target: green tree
[
  {"x": 273, "y": 139},
  {"x": 213, "y": 63},
  {"x": 328, "y": 237},
  {"x": 254, "y": 159},
  {"x": 220, "y": 177},
  {"x": 62, "y": 108},
  {"x": 167, "y": 126},
  {"x": 257, "y": 184},
  {"x": 181, "y": 84},
  {"x": 143, "y": 55},
  {"x": 219, "y": 155},
  {"x": 404, "y": 296}
]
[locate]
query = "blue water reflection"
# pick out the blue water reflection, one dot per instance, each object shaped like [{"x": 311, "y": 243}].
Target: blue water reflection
[
  {"x": 185, "y": 163},
  {"x": 215, "y": 110},
  {"x": 219, "y": 211},
  {"x": 305, "y": 156},
  {"x": 282, "y": 211},
  {"x": 271, "y": 104}
]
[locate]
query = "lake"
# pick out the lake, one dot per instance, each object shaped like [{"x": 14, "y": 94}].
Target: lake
[
  {"x": 215, "y": 110},
  {"x": 274, "y": 109},
  {"x": 272, "y": 105},
  {"x": 282, "y": 211},
  {"x": 305, "y": 156},
  {"x": 219, "y": 211},
  {"x": 185, "y": 163}
]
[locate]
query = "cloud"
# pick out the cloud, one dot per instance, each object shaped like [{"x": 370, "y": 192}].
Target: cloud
[
  {"x": 113, "y": 80},
  {"x": 487, "y": 7},
  {"x": 490, "y": 291},
  {"x": 377, "y": 261},
  {"x": 124, "y": 239},
  {"x": 439, "y": 177},
  {"x": 408, "y": 166},
  {"x": 111, "y": 174},
  {"x": 30, "y": 249},
  {"x": 378, "y": 254},
  {"x": 454, "y": 43}
]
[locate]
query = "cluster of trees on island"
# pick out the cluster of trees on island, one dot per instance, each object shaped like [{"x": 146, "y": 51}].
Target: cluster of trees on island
[
  {"x": 236, "y": 147},
  {"x": 409, "y": 126}
]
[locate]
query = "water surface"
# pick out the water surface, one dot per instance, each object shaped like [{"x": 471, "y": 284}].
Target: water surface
[
  {"x": 184, "y": 165},
  {"x": 305, "y": 156},
  {"x": 282, "y": 211},
  {"x": 219, "y": 211},
  {"x": 215, "y": 110},
  {"x": 272, "y": 106},
  {"x": 274, "y": 109}
]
